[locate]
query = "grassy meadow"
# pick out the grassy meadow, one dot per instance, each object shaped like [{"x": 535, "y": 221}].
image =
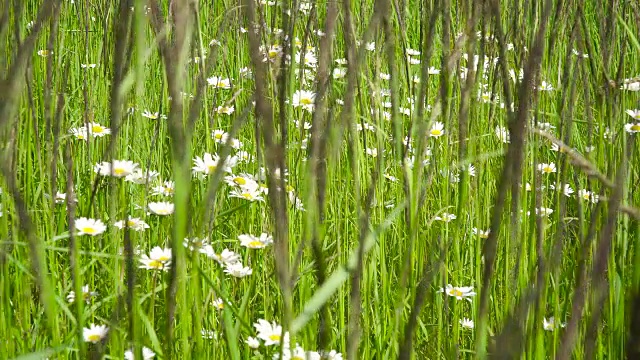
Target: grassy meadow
[{"x": 306, "y": 180}]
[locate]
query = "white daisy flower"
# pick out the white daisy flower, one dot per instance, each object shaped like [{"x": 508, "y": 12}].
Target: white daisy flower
[
  {"x": 237, "y": 270},
  {"x": 161, "y": 208},
  {"x": 158, "y": 259},
  {"x": 94, "y": 333},
  {"x": 86, "y": 226},
  {"x": 255, "y": 242},
  {"x": 459, "y": 292}
]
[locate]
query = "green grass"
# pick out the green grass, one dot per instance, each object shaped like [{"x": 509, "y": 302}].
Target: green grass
[{"x": 367, "y": 255}]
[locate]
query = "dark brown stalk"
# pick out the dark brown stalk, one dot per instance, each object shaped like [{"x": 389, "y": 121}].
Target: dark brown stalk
[
  {"x": 274, "y": 155},
  {"x": 318, "y": 164},
  {"x": 11, "y": 85},
  {"x": 511, "y": 172}
]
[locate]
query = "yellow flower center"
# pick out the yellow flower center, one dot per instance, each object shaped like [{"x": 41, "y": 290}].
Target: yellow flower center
[
  {"x": 221, "y": 84},
  {"x": 255, "y": 243},
  {"x": 306, "y": 101},
  {"x": 436, "y": 132},
  {"x": 484, "y": 236},
  {"x": 247, "y": 196},
  {"x": 132, "y": 223},
  {"x": 288, "y": 188},
  {"x": 118, "y": 171},
  {"x": 635, "y": 127},
  {"x": 240, "y": 180},
  {"x": 547, "y": 169},
  {"x": 155, "y": 264},
  {"x": 94, "y": 337},
  {"x": 163, "y": 258},
  {"x": 274, "y": 337},
  {"x": 218, "y": 136},
  {"x": 272, "y": 54},
  {"x": 455, "y": 292},
  {"x": 97, "y": 129},
  {"x": 88, "y": 230},
  {"x": 212, "y": 168}
]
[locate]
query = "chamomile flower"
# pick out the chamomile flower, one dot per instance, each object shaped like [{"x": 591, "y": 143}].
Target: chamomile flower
[
  {"x": 208, "y": 334},
  {"x": 140, "y": 177},
  {"x": 225, "y": 258},
  {"x": 247, "y": 194},
  {"x": 547, "y": 168},
  {"x": 149, "y": 115},
  {"x": 567, "y": 190},
  {"x": 545, "y": 86},
  {"x": 219, "y": 82},
  {"x": 161, "y": 208},
  {"x": 208, "y": 163},
  {"x": 437, "y": 129},
  {"x": 241, "y": 181},
  {"x": 588, "y": 195},
  {"x": 220, "y": 136},
  {"x": 252, "y": 342},
  {"x": 158, "y": 259},
  {"x": 304, "y": 99},
  {"x": 459, "y": 292},
  {"x": 635, "y": 114},
  {"x": 332, "y": 355},
  {"x": 632, "y": 128},
  {"x": 147, "y": 354},
  {"x": 97, "y": 130},
  {"x": 79, "y": 133},
  {"x": 297, "y": 354},
  {"x": 339, "y": 73},
  {"x": 550, "y": 324},
  {"x": 467, "y": 323},
  {"x": 196, "y": 243},
  {"x": 446, "y": 217},
  {"x": 243, "y": 156},
  {"x": 218, "y": 304},
  {"x": 237, "y": 270},
  {"x": 270, "y": 333},
  {"x": 373, "y": 152},
  {"x": 61, "y": 198},
  {"x": 224, "y": 109},
  {"x": 503, "y": 134},
  {"x": 630, "y": 85},
  {"x": 44, "y": 53},
  {"x": 86, "y": 294},
  {"x": 119, "y": 168},
  {"x": 433, "y": 71},
  {"x": 86, "y": 226},
  {"x": 255, "y": 242},
  {"x": 482, "y": 234},
  {"x": 135, "y": 224},
  {"x": 167, "y": 188},
  {"x": 94, "y": 333},
  {"x": 543, "y": 211}
]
